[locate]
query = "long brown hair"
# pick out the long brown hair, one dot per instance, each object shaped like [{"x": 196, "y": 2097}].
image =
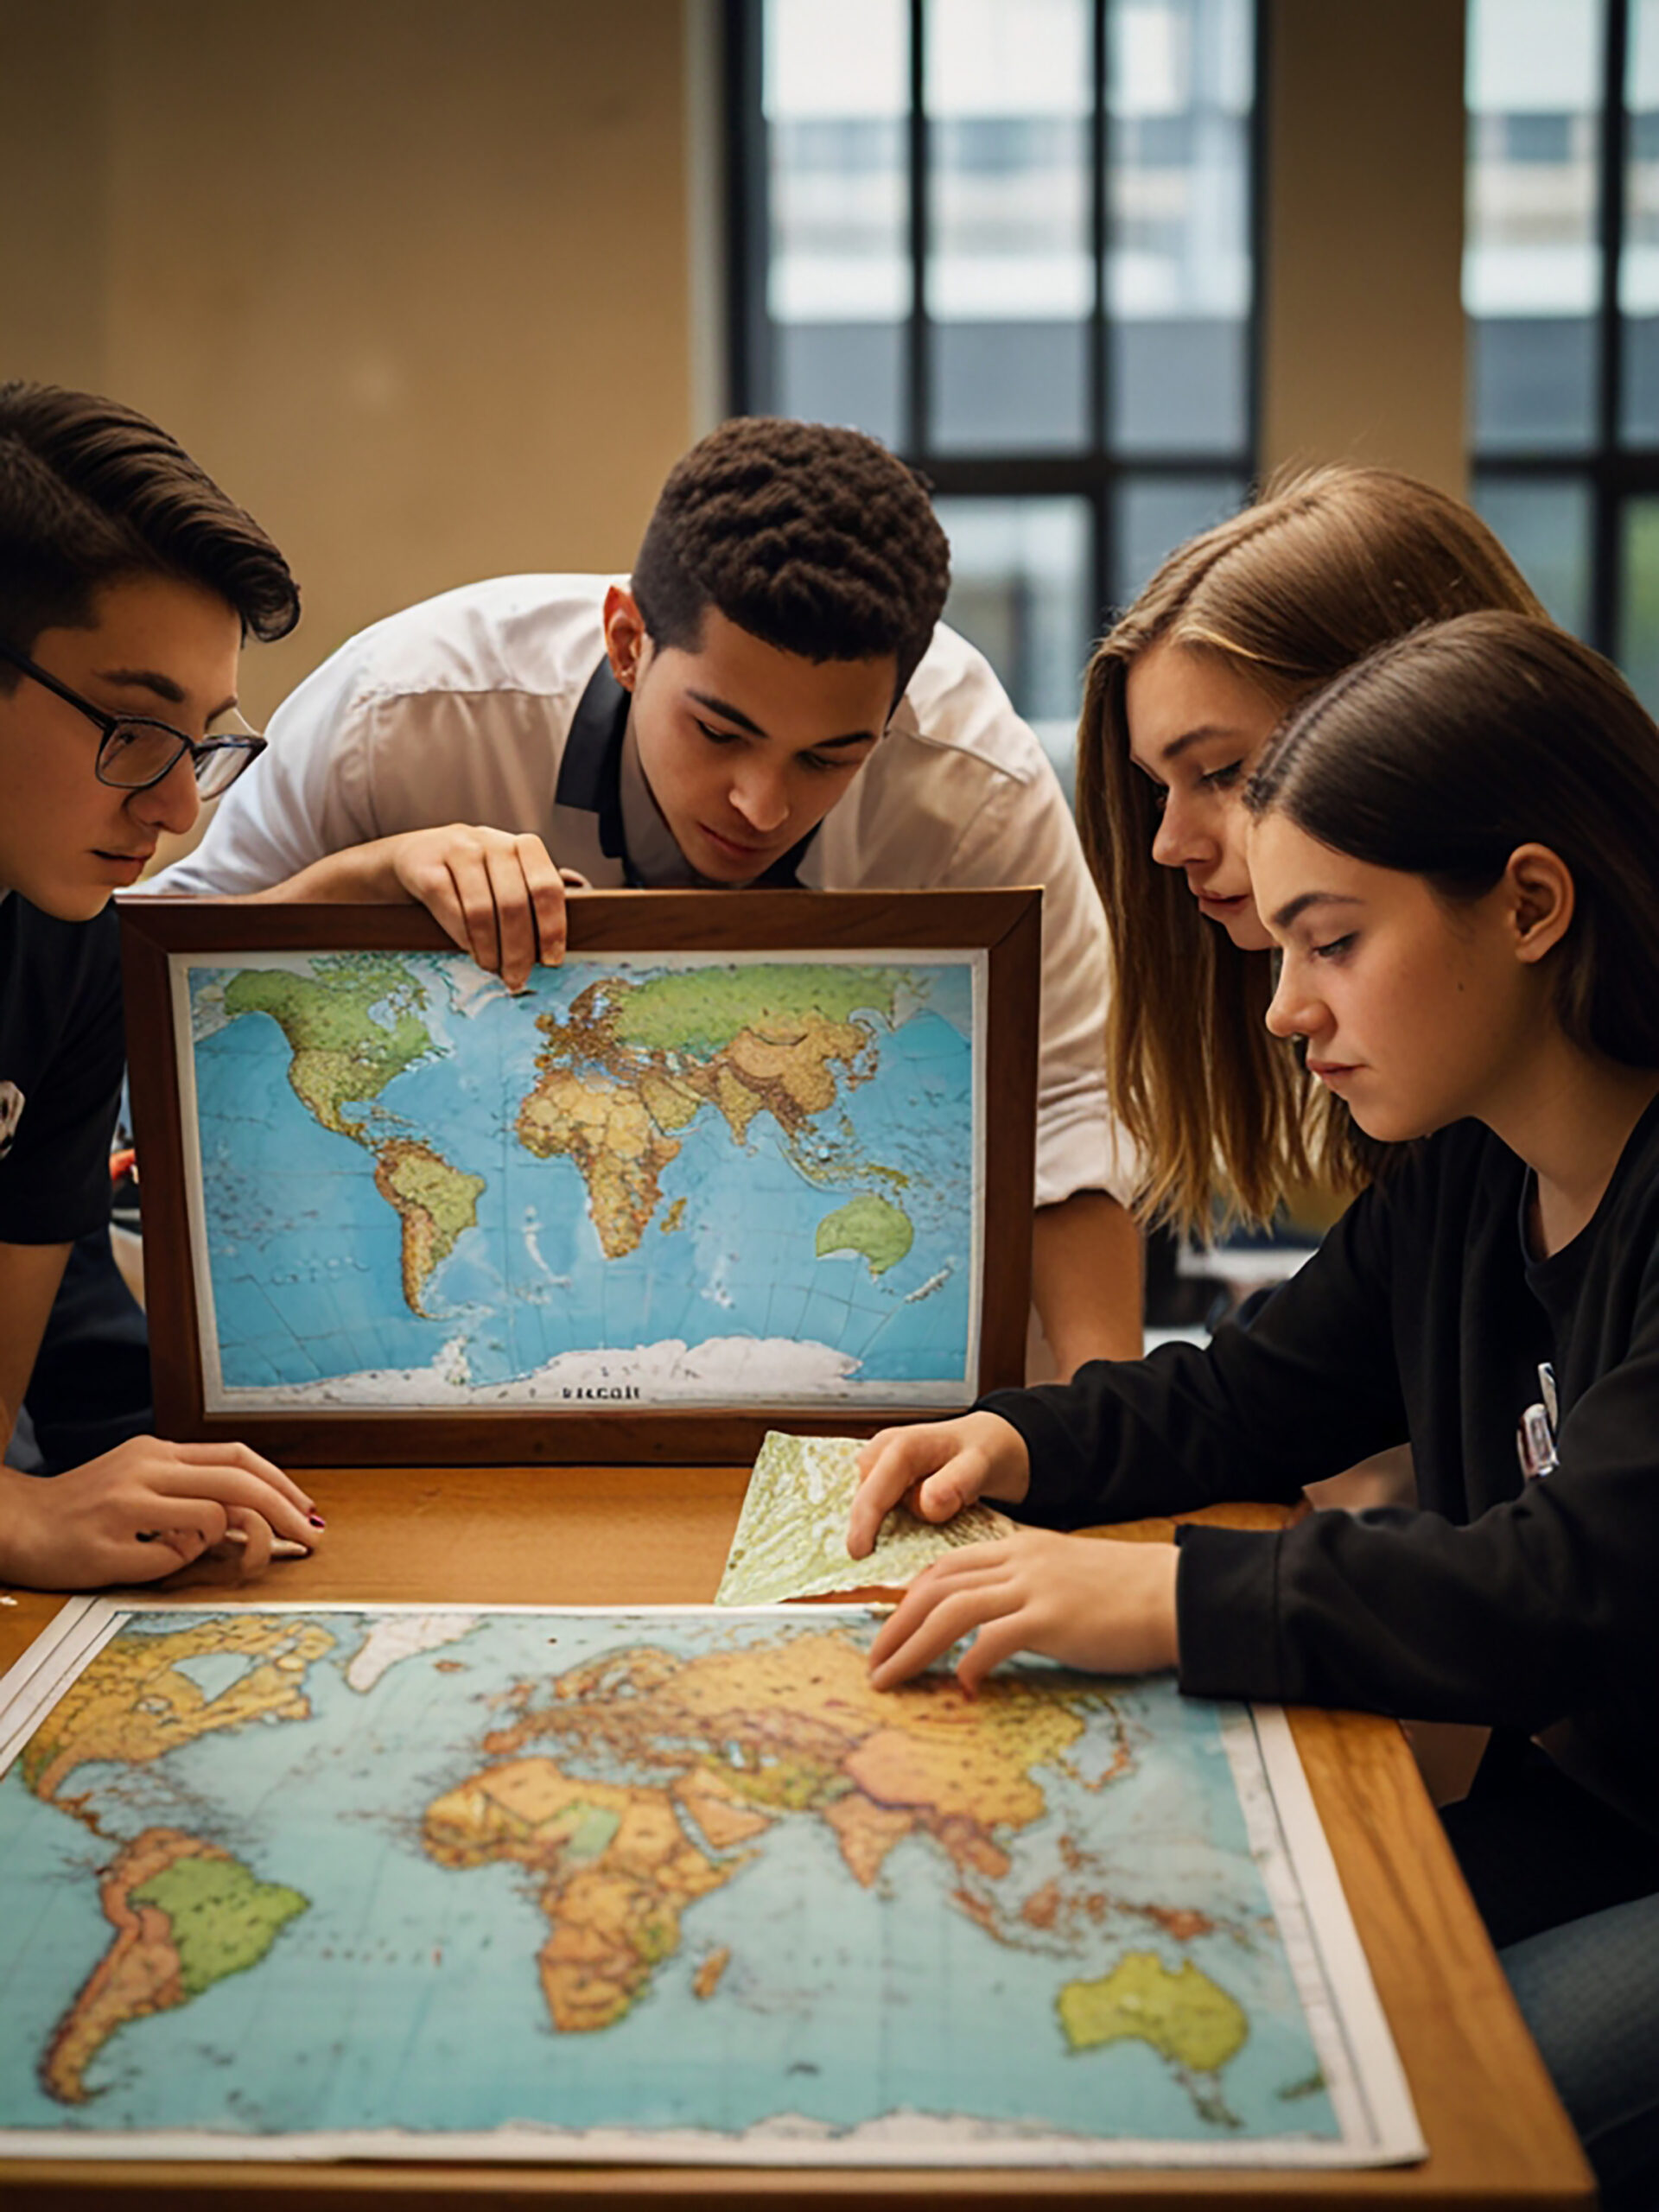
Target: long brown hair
[{"x": 1326, "y": 565}]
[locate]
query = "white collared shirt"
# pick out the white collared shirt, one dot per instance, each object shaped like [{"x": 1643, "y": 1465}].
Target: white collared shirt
[{"x": 489, "y": 704}]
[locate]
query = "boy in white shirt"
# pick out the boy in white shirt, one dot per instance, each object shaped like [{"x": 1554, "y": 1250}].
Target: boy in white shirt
[{"x": 769, "y": 699}]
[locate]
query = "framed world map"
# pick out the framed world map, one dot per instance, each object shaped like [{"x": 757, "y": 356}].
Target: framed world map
[{"x": 736, "y": 1159}]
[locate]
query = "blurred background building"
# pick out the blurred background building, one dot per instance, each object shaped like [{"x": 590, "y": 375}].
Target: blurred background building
[{"x": 441, "y": 292}]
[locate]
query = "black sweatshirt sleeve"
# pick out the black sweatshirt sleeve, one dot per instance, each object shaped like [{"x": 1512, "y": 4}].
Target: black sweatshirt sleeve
[
  {"x": 1308, "y": 1389},
  {"x": 1536, "y": 1610}
]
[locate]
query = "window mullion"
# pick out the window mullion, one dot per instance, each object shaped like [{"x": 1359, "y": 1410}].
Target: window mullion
[
  {"x": 1100, "y": 358},
  {"x": 916, "y": 412},
  {"x": 1262, "y": 33},
  {"x": 1605, "y": 581},
  {"x": 748, "y": 234},
  {"x": 1100, "y": 368}
]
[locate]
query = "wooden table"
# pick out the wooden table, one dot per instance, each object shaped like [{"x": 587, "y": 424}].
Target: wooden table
[{"x": 612, "y": 1535}]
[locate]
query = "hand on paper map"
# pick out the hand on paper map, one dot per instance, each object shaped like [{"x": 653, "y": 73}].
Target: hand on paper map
[
  {"x": 790, "y": 1539},
  {"x": 935, "y": 1469},
  {"x": 1084, "y": 1600},
  {"x": 139, "y": 1512}
]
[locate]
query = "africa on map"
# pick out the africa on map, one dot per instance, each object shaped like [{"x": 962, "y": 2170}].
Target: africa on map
[
  {"x": 664, "y": 1884},
  {"x": 649, "y": 1179}
]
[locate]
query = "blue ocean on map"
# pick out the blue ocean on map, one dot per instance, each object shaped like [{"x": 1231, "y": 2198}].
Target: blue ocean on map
[
  {"x": 400, "y": 1991},
  {"x": 307, "y": 1256}
]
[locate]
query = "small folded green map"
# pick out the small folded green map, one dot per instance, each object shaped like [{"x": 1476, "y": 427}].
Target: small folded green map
[{"x": 791, "y": 1534}]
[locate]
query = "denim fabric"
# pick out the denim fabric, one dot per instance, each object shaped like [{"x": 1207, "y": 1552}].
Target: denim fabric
[{"x": 1589, "y": 1991}]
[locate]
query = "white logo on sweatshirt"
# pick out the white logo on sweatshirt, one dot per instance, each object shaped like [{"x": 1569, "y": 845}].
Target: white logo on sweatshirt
[{"x": 11, "y": 1112}]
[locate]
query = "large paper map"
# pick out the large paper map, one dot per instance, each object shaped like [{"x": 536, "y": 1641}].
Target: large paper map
[
  {"x": 301, "y": 1881},
  {"x": 675, "y": 1179}
]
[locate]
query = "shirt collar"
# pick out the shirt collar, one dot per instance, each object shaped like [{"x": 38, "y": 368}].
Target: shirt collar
[
  {"x": 590, "y": 771},
  {"x": 602, "y": 773},
  {"x": 654, "y": 859}
]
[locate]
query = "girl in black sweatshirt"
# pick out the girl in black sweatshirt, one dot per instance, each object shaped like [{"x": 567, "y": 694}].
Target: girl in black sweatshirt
[{"x": 1456, "y": 848}]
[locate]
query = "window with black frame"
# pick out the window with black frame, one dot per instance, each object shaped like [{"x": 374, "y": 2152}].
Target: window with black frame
[
  {"x": 1561, "y": 287},
  {"x": 1014, "y": 239}
]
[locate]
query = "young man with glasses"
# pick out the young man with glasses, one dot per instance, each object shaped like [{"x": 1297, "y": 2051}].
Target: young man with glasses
[{"x": 128, "y": 582}]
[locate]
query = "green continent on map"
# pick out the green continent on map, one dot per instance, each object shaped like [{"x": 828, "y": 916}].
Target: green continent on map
[
  {"x": 703, "y": 1010},
  {"x": 434, "y": 1201},
  {"x": 223, "y": 1919},
  {"x": 186, "y": 1916},
  {"x": 342, "y": 1052},
  {"x": 1185, "y": 2016},
  {"x": 634, "y": 1063},
  {"x": 878, "y": 1231},
  {"x": 747, "y": 1737},
  {"x": 134, "y": 1702}
]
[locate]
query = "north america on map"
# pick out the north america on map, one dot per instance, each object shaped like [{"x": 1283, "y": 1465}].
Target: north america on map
[
  {"x": 683, "y": 1180},
  {"x": 292, "y": 1871}
]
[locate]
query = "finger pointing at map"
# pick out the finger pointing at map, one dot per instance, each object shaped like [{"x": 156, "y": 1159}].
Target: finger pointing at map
[{"x": 1085, "y": 1601}]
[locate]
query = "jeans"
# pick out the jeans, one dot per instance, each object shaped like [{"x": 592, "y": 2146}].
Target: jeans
[
  {"x": 1589, "y": 1991},
  {"x": 1570, "y": 1894}
]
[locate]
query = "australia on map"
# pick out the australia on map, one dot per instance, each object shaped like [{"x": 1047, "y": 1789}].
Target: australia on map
[
  {"x": 660, "y": 1179},
  {"x": 661, "y": 1884}
]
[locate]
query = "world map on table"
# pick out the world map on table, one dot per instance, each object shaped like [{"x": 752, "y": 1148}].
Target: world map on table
[
  {"x": 652, "y": 1884},
  {"x": 675, "y": 1179}
]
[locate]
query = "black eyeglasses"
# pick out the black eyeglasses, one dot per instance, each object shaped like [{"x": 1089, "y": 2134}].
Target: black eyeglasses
[{"x": 136, "y": 751}]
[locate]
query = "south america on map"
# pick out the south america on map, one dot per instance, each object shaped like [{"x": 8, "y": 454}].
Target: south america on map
[
  {"x": 587, "y": 1883},
  {"x": 675, "y": 1179}
]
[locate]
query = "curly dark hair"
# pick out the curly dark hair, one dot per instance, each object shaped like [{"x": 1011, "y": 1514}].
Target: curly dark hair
[
  {"x": 816, "y": 540},
  {"x": 91, "y": 492}
]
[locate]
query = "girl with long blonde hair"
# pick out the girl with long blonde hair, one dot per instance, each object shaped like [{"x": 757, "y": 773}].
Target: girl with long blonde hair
[{"x": 1238, "y": 626}]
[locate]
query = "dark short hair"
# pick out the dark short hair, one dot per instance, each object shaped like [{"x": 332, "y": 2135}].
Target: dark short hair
[
  {"x": 816, "y": 540},
  {"x": 92, "y": 492},
  {"x": 1439, "y": 753}
]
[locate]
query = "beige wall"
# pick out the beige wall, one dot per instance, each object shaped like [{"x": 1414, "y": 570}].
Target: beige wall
[
  {"x": 413, "y": 278},
  {"x": 1363, "y": 332},
  {"x": 410, "y": 278}
]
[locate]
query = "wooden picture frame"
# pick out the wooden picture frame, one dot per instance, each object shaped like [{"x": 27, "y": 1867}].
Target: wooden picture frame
[{"x": 993, "y": 936}]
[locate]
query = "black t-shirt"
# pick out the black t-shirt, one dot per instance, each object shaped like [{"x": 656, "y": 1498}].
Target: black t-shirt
[{"x": 61, "y": 1054}]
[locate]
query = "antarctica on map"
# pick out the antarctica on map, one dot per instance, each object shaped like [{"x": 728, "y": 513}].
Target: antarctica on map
[{"x": 647, "y": 1179}]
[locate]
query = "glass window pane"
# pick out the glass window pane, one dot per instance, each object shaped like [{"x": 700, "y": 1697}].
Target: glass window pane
[
  {"x": 1181, "y": 88},
  {"x": 1532, "y": 259},
  {"x": 1638, "y": 268},
  {"x": 1019, "y": 589},
  {"x": 1154, "y": 514},
  {"x": 838, "y": 287},
  {"x": 1638, "y": 643},
  {"x": 1546, "y": 527},
  {"x": 1010, "y": 268}
]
